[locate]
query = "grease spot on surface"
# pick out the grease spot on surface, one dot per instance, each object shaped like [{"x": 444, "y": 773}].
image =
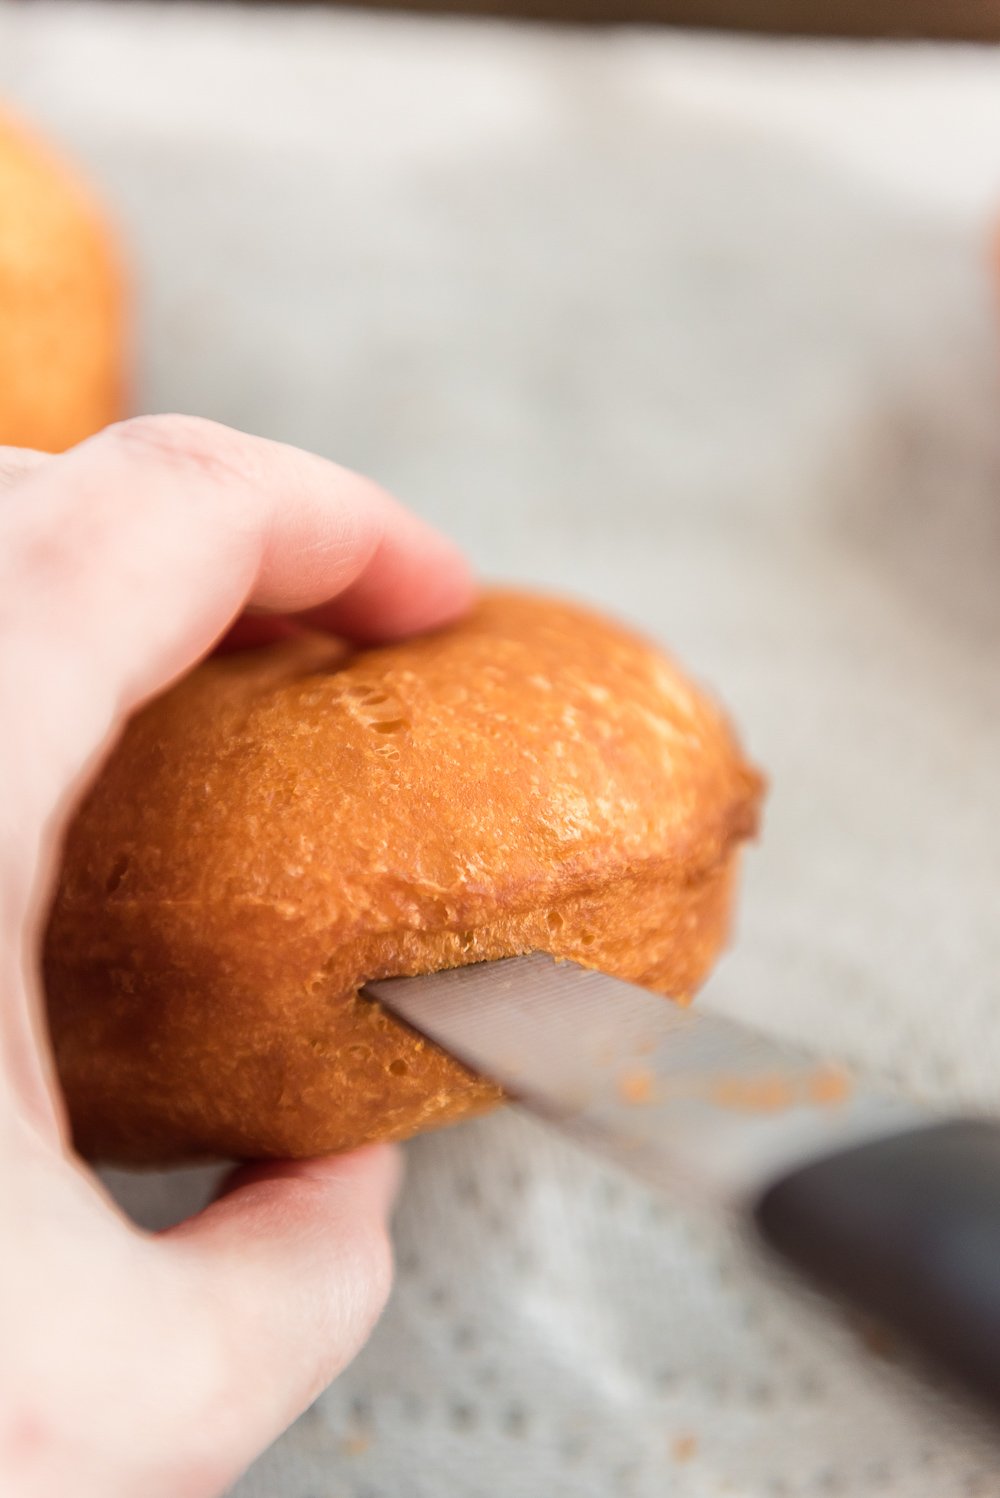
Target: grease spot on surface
[{"x": 636, "y": 1086}]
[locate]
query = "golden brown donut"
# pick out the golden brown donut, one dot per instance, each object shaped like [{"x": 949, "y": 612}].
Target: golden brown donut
[
  {"x": 61, "y": 301},
  {"x": 290, "y": 822}
]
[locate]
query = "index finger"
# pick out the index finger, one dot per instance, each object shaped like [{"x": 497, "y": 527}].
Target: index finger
[{"x": 122, "y": 561}]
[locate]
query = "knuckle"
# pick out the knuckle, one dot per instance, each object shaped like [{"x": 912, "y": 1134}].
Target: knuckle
[
  {"x": 16, "y": 463},
  {"x": 189, "y": 443}
]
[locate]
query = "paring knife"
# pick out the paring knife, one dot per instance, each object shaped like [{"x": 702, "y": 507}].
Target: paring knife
[{"x": 878, "y": 1202}]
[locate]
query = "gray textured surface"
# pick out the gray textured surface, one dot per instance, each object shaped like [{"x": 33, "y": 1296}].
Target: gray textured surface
[{"x": 703, "y": 331}]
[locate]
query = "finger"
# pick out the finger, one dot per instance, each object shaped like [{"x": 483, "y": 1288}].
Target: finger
[
  {"x": 123, "y": 560},
  {"x": 294, "y": 1265},
  {"x": 391, "y": 597}
]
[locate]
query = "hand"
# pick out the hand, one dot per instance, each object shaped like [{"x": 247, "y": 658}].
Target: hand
[{"x": 131, "y": 1365}]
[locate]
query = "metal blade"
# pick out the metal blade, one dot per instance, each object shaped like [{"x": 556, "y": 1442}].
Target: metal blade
[{"x": 688, "y": 1100}]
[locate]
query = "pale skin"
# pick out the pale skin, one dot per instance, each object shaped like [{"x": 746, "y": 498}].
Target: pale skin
[{"x": 157, "y": 1366}]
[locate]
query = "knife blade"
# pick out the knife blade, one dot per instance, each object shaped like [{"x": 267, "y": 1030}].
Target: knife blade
[{"x": 878, "y": 1201}]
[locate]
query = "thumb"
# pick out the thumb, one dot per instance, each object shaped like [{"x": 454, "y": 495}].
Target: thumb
[{"x": 294, "y": 1264}]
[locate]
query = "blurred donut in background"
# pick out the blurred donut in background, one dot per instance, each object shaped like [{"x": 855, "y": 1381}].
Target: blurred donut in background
[{"x": 62, "y": 344}]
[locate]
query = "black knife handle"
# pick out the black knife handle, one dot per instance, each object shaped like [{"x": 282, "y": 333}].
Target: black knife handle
[{"x": 907, "y": 1229}]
